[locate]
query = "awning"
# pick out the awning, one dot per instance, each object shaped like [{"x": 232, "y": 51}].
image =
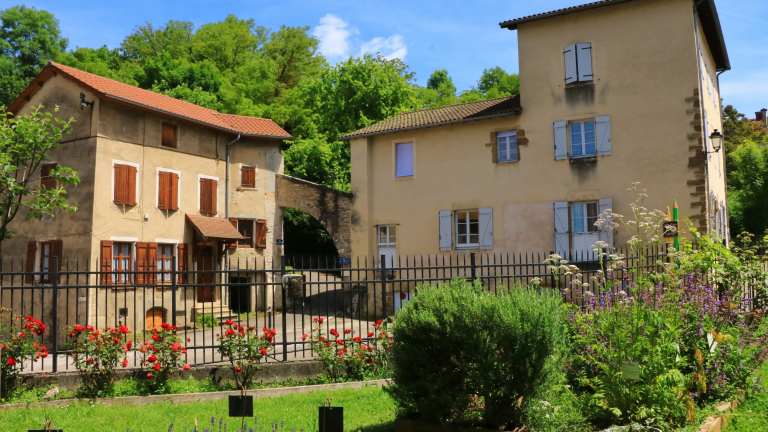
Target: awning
[{"x": 211, "y": 228}]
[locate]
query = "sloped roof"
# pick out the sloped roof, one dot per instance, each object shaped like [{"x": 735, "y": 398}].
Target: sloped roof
[
  {"x": 706, "y": 10},
  {"x": 126, "y": 93},
  {"x": 214, "y": 228},
  {"x": 507, "y": 105}
]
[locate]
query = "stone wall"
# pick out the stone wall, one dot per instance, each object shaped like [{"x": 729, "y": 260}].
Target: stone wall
[{"x": 331, "y": 207}]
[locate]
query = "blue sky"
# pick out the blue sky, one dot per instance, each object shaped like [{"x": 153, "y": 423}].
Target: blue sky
[{"x": 462, "y": 37}]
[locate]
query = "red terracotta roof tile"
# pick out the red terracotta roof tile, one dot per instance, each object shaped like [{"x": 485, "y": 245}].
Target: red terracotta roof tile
[
  {"x": 436, "y": 116},
  {"x": 214, "y": 228},
  {"x": 111, "y": 89}
]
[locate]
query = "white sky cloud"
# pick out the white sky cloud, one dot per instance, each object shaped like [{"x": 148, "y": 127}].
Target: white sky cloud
[
  {"x": 334, "y": 36},
  {"x": 337, "y": 38},
  {"x": 391, "y": 47}
]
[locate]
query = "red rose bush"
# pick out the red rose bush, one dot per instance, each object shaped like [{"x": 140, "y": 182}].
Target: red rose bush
[
  {"x": 244, "y": 349},
  {"x": 18, "y": 347},
  {"x": 162, "y": 354},
  {"x": 96, "y": 354},
  {"x": 361, "y": 357}
]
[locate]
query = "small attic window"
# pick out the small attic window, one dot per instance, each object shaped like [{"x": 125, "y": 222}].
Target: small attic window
[{"x": 168, "y": 138}]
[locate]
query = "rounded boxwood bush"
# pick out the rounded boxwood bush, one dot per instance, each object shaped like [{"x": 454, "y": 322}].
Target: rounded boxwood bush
[{"x": 463, "y": 355}]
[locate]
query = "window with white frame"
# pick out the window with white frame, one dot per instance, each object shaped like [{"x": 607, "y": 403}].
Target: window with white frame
[
  {"x": 506, "y": 143},
  {"x": 404, "y": 160},
  {"x": 582, "y": 136},
  {"x": 165, "y": 254},
  {"x": 467, "y": 228},
  {"x": 583, "y": 217},
  {"x": 387, "y": 235}
]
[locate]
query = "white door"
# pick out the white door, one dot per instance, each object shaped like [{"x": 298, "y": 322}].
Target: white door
[
  {"x": 387, "y": 244},
  {"x": 584, "y": 232}
]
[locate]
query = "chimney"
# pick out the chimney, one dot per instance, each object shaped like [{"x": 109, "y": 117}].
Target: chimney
[{"x": 763, "y": 117}]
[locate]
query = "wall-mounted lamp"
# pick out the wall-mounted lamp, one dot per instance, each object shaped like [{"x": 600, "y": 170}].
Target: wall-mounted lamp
[
  {"x": 717, "y": 141},
  {"x": 83, "y": 103}
]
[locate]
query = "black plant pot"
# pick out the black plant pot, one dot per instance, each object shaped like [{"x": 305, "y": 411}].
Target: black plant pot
[
  {"x": 331, "y": 419},
  {"x": 241, "y": 406}
]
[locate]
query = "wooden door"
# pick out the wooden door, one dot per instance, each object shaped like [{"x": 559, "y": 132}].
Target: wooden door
[
  {"x": 204, "y": 280},
  {"x": 154, "y": 318}
]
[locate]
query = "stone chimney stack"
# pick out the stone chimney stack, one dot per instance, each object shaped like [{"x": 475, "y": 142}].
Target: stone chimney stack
[{"x": 763, "y": 113}]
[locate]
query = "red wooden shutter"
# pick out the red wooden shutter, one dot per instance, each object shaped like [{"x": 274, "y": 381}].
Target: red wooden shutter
[
  {"x": 119, "y": 184},
  {"x": 248, "y": 177},
  {"x": 30, "y": 265},
  {"x": 205, "y": 198},
  {"x": 106, "y": 262},
  {"x": 168, "y": 137},
  {"x": 214, "y": 196},
  {"x": 131, "y": 198},
  {"x": 152, "y": 263},
  {"x": 174, "y": 192},
  {"x": 45, "y": 176},
  {"x": 181, "y": 261},
  {"x": 162, "y": 190},
  {"x": 261, "y": 234},
  {"x": 141, "y": 263}
]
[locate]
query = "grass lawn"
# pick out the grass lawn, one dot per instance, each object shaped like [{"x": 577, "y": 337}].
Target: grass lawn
[
  {"x": 752, "y": 415},
  {"x": 368, "y": 409}
]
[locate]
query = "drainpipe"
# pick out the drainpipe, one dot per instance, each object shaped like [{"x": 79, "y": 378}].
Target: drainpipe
[{"x": 226, "y": 182}]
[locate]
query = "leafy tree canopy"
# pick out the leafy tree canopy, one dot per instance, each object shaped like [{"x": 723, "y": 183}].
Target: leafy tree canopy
[{"x": 748, "y": 189}]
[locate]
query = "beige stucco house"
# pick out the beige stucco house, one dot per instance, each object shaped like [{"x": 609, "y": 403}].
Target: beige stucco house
[
  {"x": 611, "y": 93},
  {"x": 161, "y": 179}
]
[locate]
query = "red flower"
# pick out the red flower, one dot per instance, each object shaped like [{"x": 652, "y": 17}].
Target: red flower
[
  {"x": 71, "y": 335},
  {"x": 79, "y": 328},
  {"x": 189, "y": 340},
  {"x": 129, "y": 344},
  {"x": 165, "y": 326},
  {"x": 378, "y": 322},
  {"x": 327, "y": 343},
  {"x": 91, "y": 338},
  {"x": 241, "y": 328},
  {"x": 125, "y": 362},
  {"x": 321, "y": 338},
  {"x": 347, "y": 331},
  {"x": 124, "y": 330},
  {"x": 369, "y": 360},
  {"x": 157, "y": 367},
  {"x": 149, "y": 375},
  {"x": 304, "y": 337},
  {"x": 228, "y": 322},
  {"x": 390, "y": 341},
  {"x": 321, "y": 320},
  {"x": 11, "y": 361},
  {"x": 156, "y": 337},
  {"x": 186, "y": 367},
  {"x": 334, "y": 332},
  {"x": 340, "y": 342},
  {"x": 357, "y": 339},
  {"x": 89, "y": 327},
  {"x": 370, "y": 334},
  {"x": 263, "y": 351},
  {"x": 238, "y": 369},
  {"x": 152, "y": 359},
  {"x": 315, "y": 320}
]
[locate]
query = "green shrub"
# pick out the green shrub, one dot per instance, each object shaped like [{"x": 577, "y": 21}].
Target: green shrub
[
  {"x": 465, "y": 356},
  {"x": 207, "y": 320}
]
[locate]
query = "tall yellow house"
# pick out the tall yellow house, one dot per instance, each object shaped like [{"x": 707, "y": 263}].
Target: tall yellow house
[{"x": 612, "y": 92}]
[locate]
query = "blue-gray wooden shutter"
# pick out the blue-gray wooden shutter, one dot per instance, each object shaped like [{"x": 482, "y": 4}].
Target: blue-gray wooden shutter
[
  {"x": 445, "y": 230},
  {"x": 561, "y": 140},
  {"x": 584, "y": 61},
  {"x": 571, "y": 73},
  {"x": 562, "y": 244},
  {"x": 486, "y": 228},
  {"x": 606, "y": 234},
  {"x": 603, "y": 130}
]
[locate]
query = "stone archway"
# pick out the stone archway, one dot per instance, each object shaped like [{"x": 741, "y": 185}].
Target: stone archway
[{"x": 333, "y": 208}]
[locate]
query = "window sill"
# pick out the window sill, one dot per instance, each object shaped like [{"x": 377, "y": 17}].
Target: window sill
[
  {"x": 247, "y": 188},
  {"x": 468, "y": 247},
  {"x": 580, "y": 84},
  {"x": 509, "y": 161},
  {"x": 582, "y": 159}
]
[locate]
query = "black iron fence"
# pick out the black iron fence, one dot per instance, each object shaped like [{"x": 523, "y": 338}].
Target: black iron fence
[{"x": 285, "y": 294}]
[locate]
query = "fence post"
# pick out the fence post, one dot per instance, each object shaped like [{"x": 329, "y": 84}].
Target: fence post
[
  {"x": 284, "y": 309},
  {"x": 383, "y": 286},
  {"x": 174, "y": 285},
  {"x": 55, "y": 323},
  {"x": 472, "y": 268}
]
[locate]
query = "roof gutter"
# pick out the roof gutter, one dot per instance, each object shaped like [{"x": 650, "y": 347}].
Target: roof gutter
[
  {"x": 512, "y": 24},
  {"x": 347, "y": 137}
]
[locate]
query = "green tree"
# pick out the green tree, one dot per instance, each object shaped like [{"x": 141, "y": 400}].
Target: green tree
[
  {"x": 293, "y": 51},
  {"x": 748, "y": 189},
  {"x": 738, "y": 129},
  {"x": 497, "y": 82},
  {"x": 229, "y": 44},
  {"x": 28, "y": 39},
  {"x": 147, "y": 42},
  {"x": 109, "y": 63},
  {"x": 25, "y": 142}
]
